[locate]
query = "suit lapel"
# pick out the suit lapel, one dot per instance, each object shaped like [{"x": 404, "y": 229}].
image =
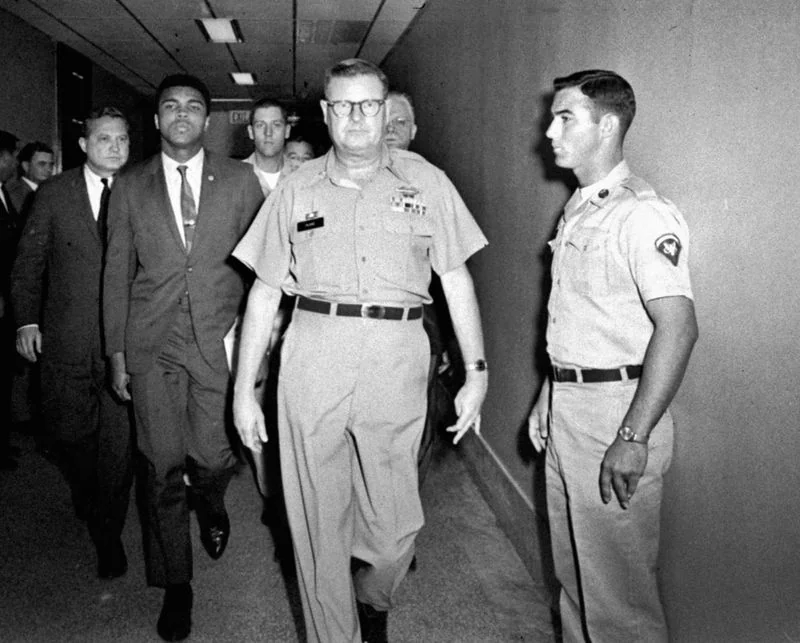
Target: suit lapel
[
  {"x": 208, "y": 208},
  {"x": 157, "y": 188},
  {"x": 83, "y": 208}
]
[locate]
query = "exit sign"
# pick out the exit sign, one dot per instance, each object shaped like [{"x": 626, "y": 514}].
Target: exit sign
[{"x": 239, "y": 116}]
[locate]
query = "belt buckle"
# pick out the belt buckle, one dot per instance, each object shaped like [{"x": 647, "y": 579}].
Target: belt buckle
[{"x": 373, "y": 312}]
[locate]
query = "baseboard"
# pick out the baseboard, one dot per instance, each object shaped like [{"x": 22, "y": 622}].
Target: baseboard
[{"x": 523, "y": 520}]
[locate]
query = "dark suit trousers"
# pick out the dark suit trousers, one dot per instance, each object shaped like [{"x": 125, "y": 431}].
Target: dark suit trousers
[
  {"x": 181, "y": 408},
  {"x": 92, "y": 441}
]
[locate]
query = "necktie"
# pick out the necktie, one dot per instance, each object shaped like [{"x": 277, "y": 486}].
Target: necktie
[
  {"x": 102, "y": 213},
  {"x": 188, "y": 209}
]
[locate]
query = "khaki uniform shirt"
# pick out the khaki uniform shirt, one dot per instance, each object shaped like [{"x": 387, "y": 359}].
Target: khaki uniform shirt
[
  {"x": 613, "y": 252},
  {"x": 323, "y": 236}
]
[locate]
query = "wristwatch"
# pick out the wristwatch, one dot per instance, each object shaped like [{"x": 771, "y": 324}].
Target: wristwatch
[
  {"x": 627, "y": 434},
  {"x": 477, "y": 365}
]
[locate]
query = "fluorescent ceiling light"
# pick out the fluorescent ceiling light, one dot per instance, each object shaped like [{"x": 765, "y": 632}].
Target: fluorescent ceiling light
[
  {"x": 241, "y": 78},
  {"x": 220, "y": 30}
]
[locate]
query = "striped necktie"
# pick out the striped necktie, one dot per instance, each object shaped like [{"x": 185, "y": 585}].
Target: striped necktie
[{"x": 188, "y": 209}]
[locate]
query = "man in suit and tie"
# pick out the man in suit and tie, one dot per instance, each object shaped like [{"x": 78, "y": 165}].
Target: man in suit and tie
[
  {"x": 171, "y": 293},
  {"x": 9, "y": 231},
  {"x": 36, "y": 164},
  {"x": 56, "y": 285}
]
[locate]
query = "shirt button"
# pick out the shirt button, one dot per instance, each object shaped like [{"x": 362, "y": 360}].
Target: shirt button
[
  {"x": 363, "y": 259},
  {"x": 365, "y": 290},
  {"x": 189, "y": 269},
  {"x": 361, "y": 227}
]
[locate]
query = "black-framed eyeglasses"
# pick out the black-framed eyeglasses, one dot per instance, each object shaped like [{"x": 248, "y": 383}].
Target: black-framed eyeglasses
[{"x": 369, "y": 107}]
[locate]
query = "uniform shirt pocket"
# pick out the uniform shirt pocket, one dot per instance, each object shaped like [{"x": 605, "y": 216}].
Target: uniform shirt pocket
[{"x": 586, "y": 261}]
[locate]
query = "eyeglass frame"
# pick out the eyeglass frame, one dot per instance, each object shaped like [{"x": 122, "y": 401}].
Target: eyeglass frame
[{"x": 351, "y": 104}]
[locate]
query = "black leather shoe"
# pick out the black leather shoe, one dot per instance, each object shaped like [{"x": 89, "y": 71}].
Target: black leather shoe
[
  {"x": 175, "y": 620},
  {"x": 215, "y": 528},
  {"x": 111, "y": 560},
  {"x": 373, "y": 624}
]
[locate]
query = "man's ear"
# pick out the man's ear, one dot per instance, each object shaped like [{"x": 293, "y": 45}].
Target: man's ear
[
  {"x": 82, "y": 144},
  {"x": 324, "y": 105},
  {"x": 287, "y": 132},
  {"x": 155, "y": 120},
  {"x": 250, "y": 133},
  {"x": 26, "y": 166},
  {"x": 609, "y": 124},
  {"x": 413, "y": 131}
]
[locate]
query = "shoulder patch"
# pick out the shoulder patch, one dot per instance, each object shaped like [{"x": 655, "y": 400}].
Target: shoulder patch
[{"x": 670, "y": 246}]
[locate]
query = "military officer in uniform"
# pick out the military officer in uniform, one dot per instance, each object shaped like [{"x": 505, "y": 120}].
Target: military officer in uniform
[
  {"x": 354, "y": 235},
  {"x": 621, "y": 328}
]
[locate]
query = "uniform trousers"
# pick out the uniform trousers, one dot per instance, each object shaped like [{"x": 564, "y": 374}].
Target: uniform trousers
[
  {"x": 181, "y": 408},
  {"x": 605, "y": 557},
  {"x": 91, "y": 439},
  {"x": 351, "y": 403}
]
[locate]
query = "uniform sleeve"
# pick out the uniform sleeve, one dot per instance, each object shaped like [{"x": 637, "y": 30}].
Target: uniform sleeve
[
  {"x": 655, "y": 239},
  {"x": 265, "y": 247},
  {"x": 457, "y": 236}
]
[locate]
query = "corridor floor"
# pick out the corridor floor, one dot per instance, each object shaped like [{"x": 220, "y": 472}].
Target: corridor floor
[{"x": 469, "y": 586}]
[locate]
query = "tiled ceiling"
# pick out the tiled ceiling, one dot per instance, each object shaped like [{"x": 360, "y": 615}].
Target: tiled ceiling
[{"x": 287, "y": 43}]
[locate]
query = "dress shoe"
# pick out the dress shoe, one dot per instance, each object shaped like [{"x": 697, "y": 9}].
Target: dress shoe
[
  {"x": 372, "y": 623},
  {"x": 111, "y": 560},
  {"x": 175, "y": 620},
  {"x": 215, "y": 528}
]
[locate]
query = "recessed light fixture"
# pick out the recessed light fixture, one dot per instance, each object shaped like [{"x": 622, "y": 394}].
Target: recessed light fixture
[
  {"x": 220, "y": 29},
  {"x": 243, "y": 78}
]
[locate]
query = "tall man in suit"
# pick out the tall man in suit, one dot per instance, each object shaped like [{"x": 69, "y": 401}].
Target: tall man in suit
[
  {"x": 56, "y": 295},
  {"x": 171, "y": 293},
  {"x": 9, "y": 230}
]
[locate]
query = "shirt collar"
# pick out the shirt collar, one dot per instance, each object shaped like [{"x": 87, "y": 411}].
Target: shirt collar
[
  {"x": 195, "y": 164},
  {"x": 33, "y": 186},
  {"x": 620, "y": 172},
  {"x": 386, "y": 161},
  {"x": 94, "y": 179}
]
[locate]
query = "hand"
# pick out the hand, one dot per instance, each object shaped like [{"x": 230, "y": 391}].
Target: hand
[
  {"x": 29, "y": 342},
  {"x": 622, "y": 467},
  {"x": 539, "y": 420},
  {"x": 468, "y": 404},
  {"x": 249, "y": 420},
  {"x": 120, "y": 379}
]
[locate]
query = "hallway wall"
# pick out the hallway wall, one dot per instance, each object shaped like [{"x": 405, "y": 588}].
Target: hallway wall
[{"x": 717, "y": 87}]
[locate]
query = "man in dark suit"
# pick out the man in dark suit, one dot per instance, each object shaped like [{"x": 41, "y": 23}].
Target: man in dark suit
[
  {"x": 56, "y": 296},
  {"x": 171, "y": 293},
  {"x": 9, "y": 232},
  {"x": 36, "y": 164}
]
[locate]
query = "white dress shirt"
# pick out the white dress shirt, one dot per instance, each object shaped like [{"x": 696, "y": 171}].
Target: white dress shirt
[{"x": 194, "y": 174}]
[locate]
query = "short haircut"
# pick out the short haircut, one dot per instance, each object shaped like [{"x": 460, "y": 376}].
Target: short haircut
[
  {"x": 353, "y": 67},
  {"x": 407, "y": 99},
  {"x": 262, "y": 103},
  {"x": 608, "y": 91},
  {"x": 300, "y": 137},
  {"x": 26, "y": 153},
  {"x": 184, "y": 80},
  {"x": 102, "y": 112},
  {"x": 8, "y": 142}
]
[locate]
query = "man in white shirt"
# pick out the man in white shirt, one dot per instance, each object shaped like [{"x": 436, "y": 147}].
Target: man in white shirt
[
  {"x": 268, "y": 129},
  {"x": 56, "y": 295},
  {"x": 170, "y": 295},
  {"x": 37, "y": 164}
]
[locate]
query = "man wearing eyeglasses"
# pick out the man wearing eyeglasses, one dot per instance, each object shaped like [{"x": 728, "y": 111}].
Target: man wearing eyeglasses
[{"x": 354, "y": 235}]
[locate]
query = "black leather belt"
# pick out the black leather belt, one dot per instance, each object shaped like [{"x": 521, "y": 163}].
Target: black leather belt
[
  {"x": 595, "y": 375},
  {"x": 359, "y": 310}
]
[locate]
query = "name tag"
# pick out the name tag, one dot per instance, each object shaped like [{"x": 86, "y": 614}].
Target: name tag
[{"x": 310, "y": 224}]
